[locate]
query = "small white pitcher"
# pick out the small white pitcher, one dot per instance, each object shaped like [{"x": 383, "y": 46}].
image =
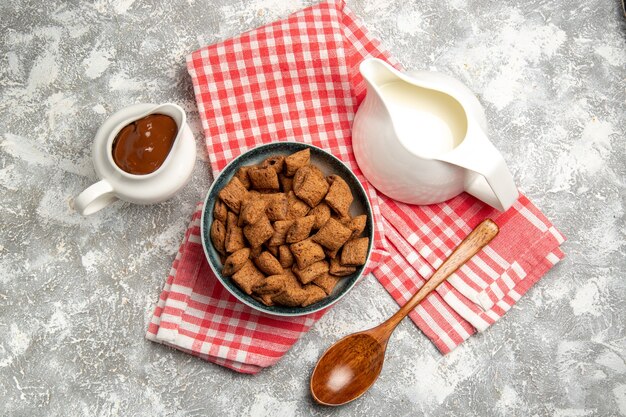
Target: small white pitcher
[
  {"x": 420, "y": 138},
  {"x": 151, "y": 188}
]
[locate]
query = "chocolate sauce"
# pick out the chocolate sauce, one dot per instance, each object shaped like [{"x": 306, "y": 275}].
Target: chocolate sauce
[{"x": 142, "y": 146}]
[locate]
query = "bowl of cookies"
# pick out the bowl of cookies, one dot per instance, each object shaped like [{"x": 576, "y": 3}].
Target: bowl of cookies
[{"x": 287, "y": 228}]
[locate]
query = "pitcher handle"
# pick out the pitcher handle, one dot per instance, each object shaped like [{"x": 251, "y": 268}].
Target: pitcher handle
[
  {"x": 94, "y": 198},
  {"x": 476, "y": 153}
]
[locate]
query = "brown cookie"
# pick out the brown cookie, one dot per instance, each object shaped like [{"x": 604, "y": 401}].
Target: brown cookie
[
  {"x": 218, "y": 236},
  {"x": 275, "y": 162},
  {"x": 321, "y": 213},
  {"x": 327, "y": 282},
  {"x": 332, "y": 235},
  {"x": 281, "y": 227},
  {"x": 285, "y": 257},
  {"x": 233, "y": 194},
  {"x": 314, "y": 294},
  {"x": 251, "y": 210},
  {"x": 311, "y": 272},
  {"x": 310, "y": 185},
  {"x": 263, "y": 178},
  {"x": 235, "y": 261},
  {"x": 341, "y": 219},
  {"x": 292, "y": 295},
  {"x": 234, "y": 234},
  {"x": 297, "y": 160},
  {"x": 271, "y": 285},
  {"x": 307, "y": 252},
  {"x": 242, "y": 174},
  {"x": 247, "y": 277},
  {"x": 300, "y": 229},
  {"x": 290, "y": 298},
  {"x": 220, "y": 211},
  {"x": 357, "y": 225},
  {"x": 268, "y": 264},
  {"x": 259, "y": 232},
  {"x": 264, "y": 298},
  {"x": 354, "y": 252},
  {"x": 277, "y": 206},
  {"x": 339, "y": 196},
  {"x": 336, "y": 268},
  {"x": 295, "y": 207}
]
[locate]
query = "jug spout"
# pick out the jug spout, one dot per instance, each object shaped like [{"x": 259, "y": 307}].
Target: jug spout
[
  {"x": 488, "y": 177},
  {"x": 377, "y": 72}
]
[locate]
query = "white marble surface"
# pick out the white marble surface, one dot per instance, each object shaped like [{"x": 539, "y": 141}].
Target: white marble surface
[{"x": 76, "y": 293}]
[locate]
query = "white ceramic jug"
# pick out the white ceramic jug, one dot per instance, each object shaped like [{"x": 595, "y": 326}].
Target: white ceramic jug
[
  {"x": 420, "y": 138},
  {"x": 151, "y": 188}
]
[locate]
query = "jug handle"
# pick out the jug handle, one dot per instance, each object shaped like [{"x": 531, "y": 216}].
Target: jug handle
[
  {"x": 476, "y": 153},
  {"x": 95, "y": 198}
]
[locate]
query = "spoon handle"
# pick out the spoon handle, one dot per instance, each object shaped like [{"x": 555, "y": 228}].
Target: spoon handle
[{"x": 475, "y": 241}]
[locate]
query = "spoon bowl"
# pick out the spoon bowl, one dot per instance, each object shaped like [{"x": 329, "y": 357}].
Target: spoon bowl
[
  {"x": 352, "y": 365},
  {"x": 361, "y": 356}
]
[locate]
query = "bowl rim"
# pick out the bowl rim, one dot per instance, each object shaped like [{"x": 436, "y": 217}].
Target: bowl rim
[{"x": 204, "y": 236}]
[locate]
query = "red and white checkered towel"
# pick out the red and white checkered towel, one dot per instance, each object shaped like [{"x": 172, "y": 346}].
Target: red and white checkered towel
[{"x": 297, "y": 80}]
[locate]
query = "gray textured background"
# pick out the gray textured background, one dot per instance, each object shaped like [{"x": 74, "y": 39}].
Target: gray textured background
[{"x": 76, "y": 293}]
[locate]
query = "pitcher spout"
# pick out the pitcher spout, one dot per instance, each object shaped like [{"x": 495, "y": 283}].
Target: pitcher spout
[
  {"x": 487, "y": 177},
  {"x": 377, "y": 72}
]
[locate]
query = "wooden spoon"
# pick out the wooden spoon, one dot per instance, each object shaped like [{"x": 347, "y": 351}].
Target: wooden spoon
[{"x": 351, "y": 366}]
